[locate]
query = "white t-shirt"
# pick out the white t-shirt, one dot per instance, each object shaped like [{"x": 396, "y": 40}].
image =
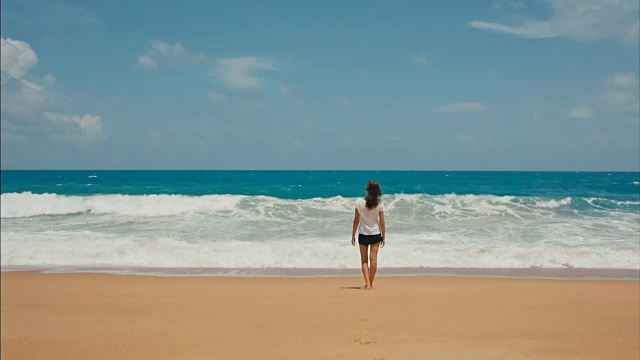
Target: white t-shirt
[{"x": 369, "y": 220}]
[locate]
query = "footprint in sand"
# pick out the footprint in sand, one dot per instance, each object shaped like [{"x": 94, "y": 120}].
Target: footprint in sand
[{"x": 364, "y": 342}]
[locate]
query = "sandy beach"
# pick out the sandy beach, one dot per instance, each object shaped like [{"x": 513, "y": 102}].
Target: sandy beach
[{"x": 93, "y": 316}]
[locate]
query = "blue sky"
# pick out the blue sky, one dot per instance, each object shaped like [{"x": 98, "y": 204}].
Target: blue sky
[{"x": 427, "y": 85}]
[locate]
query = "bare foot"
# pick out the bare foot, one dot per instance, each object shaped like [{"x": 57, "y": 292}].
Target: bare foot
[{"x": 366, "y": 287}]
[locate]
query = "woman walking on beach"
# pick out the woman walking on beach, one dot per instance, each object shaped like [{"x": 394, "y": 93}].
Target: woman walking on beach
[{"x": 369, "y": 218}]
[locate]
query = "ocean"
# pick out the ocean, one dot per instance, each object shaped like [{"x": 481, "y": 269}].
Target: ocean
[{"x": 298, "y": 223}]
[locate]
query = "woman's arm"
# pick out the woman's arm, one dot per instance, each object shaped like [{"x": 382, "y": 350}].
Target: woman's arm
[
  {"x": 356, "y": 222},
  {"x": 382, "y": 227}
]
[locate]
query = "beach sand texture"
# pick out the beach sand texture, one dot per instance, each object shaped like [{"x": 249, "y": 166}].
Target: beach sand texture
[{"x": 93, "y": 316}]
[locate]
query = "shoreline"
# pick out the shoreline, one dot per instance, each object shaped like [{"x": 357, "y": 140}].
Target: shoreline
[
  {"x": 98, "y": 316},
  {"x": 496, "y": 273}
]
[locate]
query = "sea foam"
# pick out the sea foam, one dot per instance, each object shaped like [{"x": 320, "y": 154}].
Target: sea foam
[{"x": 239, "y": 231}]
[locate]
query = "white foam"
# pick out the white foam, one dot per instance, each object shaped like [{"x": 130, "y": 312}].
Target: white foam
[
  {"x": 553, "y": 203},
  {"x": 448, "y": 206},
  {"x": 92, "y": 249},
  {"x": 234, "y": 231},
  {"x": 26, "y": 204}
]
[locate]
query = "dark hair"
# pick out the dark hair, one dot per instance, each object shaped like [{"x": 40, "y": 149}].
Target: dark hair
[{"x": 373, "y": 194}]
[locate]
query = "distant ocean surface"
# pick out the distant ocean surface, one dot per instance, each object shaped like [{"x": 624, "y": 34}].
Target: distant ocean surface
[{"x": 268, "y": 220}]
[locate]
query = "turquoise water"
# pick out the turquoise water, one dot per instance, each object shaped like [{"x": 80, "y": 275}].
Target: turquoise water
[
  {"x": 310, "y": 184},
  {"x": 127, "y": 220}
]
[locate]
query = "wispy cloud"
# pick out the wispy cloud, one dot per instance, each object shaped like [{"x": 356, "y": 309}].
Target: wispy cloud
[
  {"x": 420, "y": 59},
  {"x": 147, "y": 62},
  {"x": 216, "y": 97},
  {"x": 580, "y": 112},
  {"x": 622, "y": 93},
  {"x": 585, "y": 20},
  {"x": 159, "y": 53},
  {"x": 466, "y": 139},
  {"x": 11, "y": 137},
  {"x": 617, "y": 97},
  {"x": 240, "y": 72},
  {"x": 89, "y": 126},
  {"x": 529, "y": 29},
  {"x": 473, "y": 141},
  {"x": 285, "y": 90},
  {"x": 623, "y": 80},
  {"x": 343, "y": 100},
  {"x": 461, "y": 107}
]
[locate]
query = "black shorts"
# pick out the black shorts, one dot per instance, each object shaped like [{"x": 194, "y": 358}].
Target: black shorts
[{"x": 369, "y": 239}]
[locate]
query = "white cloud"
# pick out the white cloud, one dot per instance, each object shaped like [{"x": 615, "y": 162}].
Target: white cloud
[
  {"x": 300, "y": 103},
  {"x": 17, "y": 58},
  {"x": 22, "y": 95},
  {"x": 29, "y": 98},
  {"x": 11, "y": 137},
  {"x": 90, "y": 126},
  {"x": 343, "y": 100},
  {"x": 580, "y": 112},
  {"x": 617, "y": 97},
  {"x": 623, "y": 80},
  {"x": 583, "y": 20},
  {"x": 461, "y": 107},
  {"x": 147, "y": 62},
  {"x": 216, "y": 97},
  {"x": 620, "y": 95},
  {"x": 23, "y": 98},
  {"x": 167, "y": 49},
  {"x": 160, "y": 53},
  {"x": 420, "y": 59},
  {"x": 239, "y": 72},
  {"x": 49, "y": 78},
  {"x": 529, "y": 29}
]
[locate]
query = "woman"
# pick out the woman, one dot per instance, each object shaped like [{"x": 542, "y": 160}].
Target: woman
[{"x": 370, "y": 219}]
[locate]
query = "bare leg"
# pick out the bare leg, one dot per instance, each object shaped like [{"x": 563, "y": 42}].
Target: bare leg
[
  {"x": 373, "y": 259},
  {"x": 365, "y": 266}
]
